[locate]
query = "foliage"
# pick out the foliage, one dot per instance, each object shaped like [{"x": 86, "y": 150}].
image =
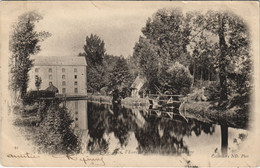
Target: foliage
[
  {"x": 33, "y": 96},
  {"x": 95, "y": 76},
  {"x": 145, "y": 54},
  {"x": 230, "y": 36},
  {"x": 215, "y": 46},
  {"x": 120, "y": 76},
  {"x": 176, "y": 79},
  {"x": 212, "y": 92},
  {"x": 24, "y": 42},
  {"x": 103, "y": 70},
  {"x": 164, "y": 42},
  {"x": 168, "y": 29},
  {"x": 55, "y": 134},
  {"x": 94, "y": 50},
  {"x": 38, "y": 82}
]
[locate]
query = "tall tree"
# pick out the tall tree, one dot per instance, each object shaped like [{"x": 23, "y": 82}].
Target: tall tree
[
  {"x": 147, "y": 58},
  {"x": 164, "y": 42},
  {"x": 120, "y": 76},
  {"x": 169, "y": 30},
  {"x": 94, "y": 51},
  {"x": 176, "y": 79},
  {"x": 24, "y": 42},
  {"x": 38, "y": 82},
  {"x": 233, "y": 43}
]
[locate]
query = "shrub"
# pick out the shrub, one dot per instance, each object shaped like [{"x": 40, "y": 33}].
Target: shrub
[
  {"x": 32, "y": 96},
  {"x": 212, "y": 91},
  {"x": 55, "y": 134},
  {"x": 176, "y": 79}
]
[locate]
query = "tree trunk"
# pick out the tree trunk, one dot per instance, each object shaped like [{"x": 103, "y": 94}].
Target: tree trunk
[
  {"x": 208, "y": 75},
  {"x": 224, "y": 140},
  {"x": 201, "y": 74},
  {"x": 194, "y": 70},
  {"x": 23, "y": 92},
  {"x": 222, "y": 60}
]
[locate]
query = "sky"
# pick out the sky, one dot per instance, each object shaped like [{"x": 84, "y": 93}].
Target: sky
[
  {"x": 119, "y": 24},
  {"x": 120, "y": 28}
]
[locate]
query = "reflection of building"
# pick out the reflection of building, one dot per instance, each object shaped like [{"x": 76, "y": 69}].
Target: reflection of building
[
  {"x": 67, "y": 74},
  {"x": 78, "y": 110},
  {"x": 137, "y": 86}
]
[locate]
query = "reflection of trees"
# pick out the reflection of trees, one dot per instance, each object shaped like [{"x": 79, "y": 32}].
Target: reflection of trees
[
  {"x": 98, "y": 125},
  {"x": 154, "y": 135},
  {"x": 165, "y": 136},
  {"x": 162, "y": 136},
  {"x": 118, "y": 120},
  {"x": 121, "y": 124},
  {"x": 197, "y": 127}
]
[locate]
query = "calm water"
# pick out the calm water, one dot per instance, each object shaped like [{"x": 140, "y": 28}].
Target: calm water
[{"x": 104, "y": 129}]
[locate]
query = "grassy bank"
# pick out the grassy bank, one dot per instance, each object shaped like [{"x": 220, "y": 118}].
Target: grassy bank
[
  {"x": 205, "y": 111},
  {"x": 134, "y": 101},
  {"x": 47, "y": 126},
  {"x": 100, "y": 99}
]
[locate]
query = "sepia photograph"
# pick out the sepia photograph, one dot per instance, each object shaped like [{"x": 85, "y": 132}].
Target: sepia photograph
[{"x": 119, "y": 84}]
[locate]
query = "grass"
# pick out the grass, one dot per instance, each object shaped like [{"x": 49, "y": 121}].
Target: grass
[
  {"x": 44, "y": 132},
  {"x": 100, "y": 98},
  {"x": 204, "y": 111}
]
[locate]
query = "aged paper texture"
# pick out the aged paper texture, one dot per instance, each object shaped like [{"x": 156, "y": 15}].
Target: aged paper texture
[{"x": 120, "y": 84}]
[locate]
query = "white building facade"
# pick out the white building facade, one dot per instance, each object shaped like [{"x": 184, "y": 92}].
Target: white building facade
[{"x": 67, "y": 74}]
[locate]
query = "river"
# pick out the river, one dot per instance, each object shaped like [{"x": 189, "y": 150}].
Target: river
[{"x": 104, "y": 129}]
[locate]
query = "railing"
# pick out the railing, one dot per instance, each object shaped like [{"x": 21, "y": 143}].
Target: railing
[{"x": 164, "y": 95}]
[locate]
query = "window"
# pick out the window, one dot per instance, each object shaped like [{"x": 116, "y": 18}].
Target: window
[
  {"x": 75, "y": 83},
  {"x": 50, "y": 70},
  {"x": 63, "y": 90},
  {"x": 76, "y": 119},
  {"x": 75, "y": 69},
  {"x": 63, "y": 83},
  {"x": 75, "y": 90},
  {"x": 63, "y": 69},
  {"x": 36, "y": 69},
  {"x": 76, "y": 105},
  {"x": 63, "y": 76},
  {"x": 75, "y": 76},
  {"x": 50, "y": 77},
  {"x": 50, "y": 83}
]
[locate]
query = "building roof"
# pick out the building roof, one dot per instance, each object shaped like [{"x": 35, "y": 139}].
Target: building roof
[
  {"x": 61, "y": 60},
  {"x": 52, "y": 88}
]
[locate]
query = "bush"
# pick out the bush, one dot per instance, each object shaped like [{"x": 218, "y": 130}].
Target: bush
[
  {"x": 176, "y": 79},
  {"x": 32, "y": 96},
  {"x": 212, "y": 91},
  {"x": 55, "y": 134}
]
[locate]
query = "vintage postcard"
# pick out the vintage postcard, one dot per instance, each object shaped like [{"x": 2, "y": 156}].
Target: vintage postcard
[{"x": 119, "y": 84}]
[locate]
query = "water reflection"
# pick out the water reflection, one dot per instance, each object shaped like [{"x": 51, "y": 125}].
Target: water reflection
[
  {"x": 78, "y": 111},
  {"x": 153, "y": 134},
  {"x": 116, "y": 129}
]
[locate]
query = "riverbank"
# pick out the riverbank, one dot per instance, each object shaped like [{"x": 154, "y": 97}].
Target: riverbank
[
  {"x": 128, "y": 102},
  {"x": 202, "y": 111},
  {"x": 205, "y": 112},
  {"x": 100, "y": 99},
  {"x": 45, "y": 124}
]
